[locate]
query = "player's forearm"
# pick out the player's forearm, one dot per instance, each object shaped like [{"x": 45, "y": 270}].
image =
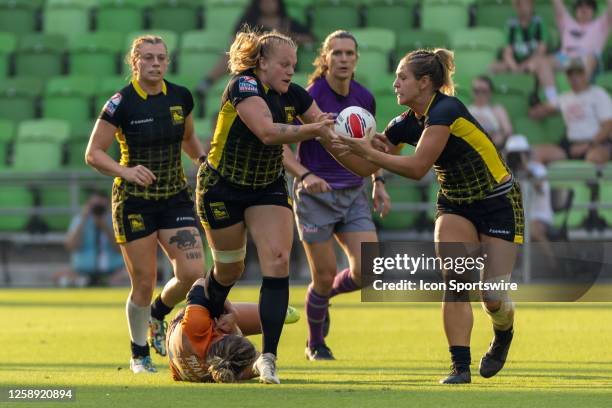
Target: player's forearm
[
  {"x": 294, "y": 167},
  {"x": 193, "y": 148},
  {"x": 102, "y": 162},
  {"x": 351, "y": 162},
  {"x": 280, "y": 133},
  {"x": 407, "y": 166}
]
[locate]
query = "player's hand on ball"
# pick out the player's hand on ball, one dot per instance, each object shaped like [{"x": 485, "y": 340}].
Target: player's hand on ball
[
  {"x": 359, "y": 147},
  {"x": 139, "y": 175},
  {"x": 381, "y": 143}
]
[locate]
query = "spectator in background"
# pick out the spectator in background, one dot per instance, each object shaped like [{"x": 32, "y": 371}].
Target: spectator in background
[
  {"x": 492, "y": 117},
  {"x": 587, "y": 113},
  {"x": 582, "y": 36},
  {"x": 261, "y": 15},
  {"x": 526, "y": 41},
  {"x": 94, "y": 256},
  {"x": 540, "y": 212}
]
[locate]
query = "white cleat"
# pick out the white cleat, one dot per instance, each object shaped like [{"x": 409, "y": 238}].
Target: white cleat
[
  {"x": 142, "y": 365},
  {"x": 265, "y": 367}
]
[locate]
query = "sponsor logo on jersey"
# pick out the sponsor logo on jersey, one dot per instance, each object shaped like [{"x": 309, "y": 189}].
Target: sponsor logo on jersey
[
  {"x": 290, "y": 113},
  {"x": 136, "y": 222},
  {"x": 178, "y": 118},
  {"x": 498, "y": 231},
  {"x": 219, "y": 211},
  {"x": 141, "y": 121},
  {"x": 247, "y": 84},
  {"x": 111, "y": 105}
]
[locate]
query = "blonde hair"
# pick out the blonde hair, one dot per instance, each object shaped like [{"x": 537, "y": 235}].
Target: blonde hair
[
  {"x": 319, "y": 63},
  {"x": 228, "y": 357},
  {"x": 249, "y": 46},
  {"x": 438, "y": 64},
  {"x": 134, "y": 53}
]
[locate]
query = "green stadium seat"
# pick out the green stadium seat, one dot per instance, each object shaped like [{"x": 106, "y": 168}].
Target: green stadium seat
[
  {"x": 546, "y": 11},
  {"x": 76, "y": 154},
  {"x": 394, "y": 15},
  {"x": 605, "y": 197},
  {"x": 43, "y": 130},
  {"x": 15, "y": 198},
  {"x": 432, "y": 198},
  {"x": 223, "y": 15},
  {"x": 512, "y": 91},
  {"x": 555, "y": 128},
  {"x": 562, "y": 82},
  {"x": 478, "y": 38},
  {"x": 301, "y": 79},
  {"x": 331, "y": 15},
  {"x": 203, "y": 128},
  {"x": 494, "y": 13},
  {"x": 176, "y": 15},
  {"x": 40, "y": 55},
  {"x": 199, "y": 51},
  {"x": 306, "y": 55},
  {"x": 445, "y": 15},
  {"x": 386, "y": 109},
  {"x": 378, "y": 85},
  {"x": 212, "y": 103},
  {"x": 96, "y": 53},
  {"x": 69, "y": 98},
  {"x": 298, "y": 10},
  {"x": 375, "y": 38},
  {"x": 120, "y": 16},
  {"x": 18, "y": 97},
  {"x": 7, "y": 134},
  {"x": 109, "y": 86},
  {"x": 58, "y": 198},
  {"x": 37, "y": 156},
  {"x": 535, "y": 131},
  {"x": 471, "y": 63},
  {"x": 573, "y": 175},
  {"x": 18, "y": 17},
  {"x": 70, "y": 18},
  {"x": 8, "y": 45},
  {"x": 402, "y": 192},
  {"x": 410, "y": 40}
]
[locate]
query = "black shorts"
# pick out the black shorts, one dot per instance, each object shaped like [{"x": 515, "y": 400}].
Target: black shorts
[
  {"x": 135, "y": 217},
  {"x": 499, "y": 217},
  {"x": 221, "y": 204},
  {"x": 565, "y": 144}
]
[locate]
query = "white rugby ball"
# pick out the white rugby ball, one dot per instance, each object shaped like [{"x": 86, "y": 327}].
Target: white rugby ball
[{"x": 356, "y": 122}]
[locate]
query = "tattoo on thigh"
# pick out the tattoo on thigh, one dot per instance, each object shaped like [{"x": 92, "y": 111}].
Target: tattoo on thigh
[
  {"x": 193, "y": 255},
  {"x": 184, "y": 239}
]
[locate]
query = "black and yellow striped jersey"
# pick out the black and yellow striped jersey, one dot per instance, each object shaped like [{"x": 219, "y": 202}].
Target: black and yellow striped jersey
[
  {"x": 237, "y": 154},
  {"x": 470, "y": 167},
  {"x": 150, "y": 130}
]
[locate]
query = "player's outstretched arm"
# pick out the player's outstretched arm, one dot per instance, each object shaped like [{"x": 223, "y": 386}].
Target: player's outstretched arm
[{"x": 257, "y": 116}]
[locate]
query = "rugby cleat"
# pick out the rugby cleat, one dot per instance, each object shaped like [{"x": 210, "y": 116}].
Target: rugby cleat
[
  {"x": 157, "y": 335},
  {"x": 142, "y": 365},
  {"x": 292, "y": 315},
  {"x": 318, "y": 352},
  {"x": 495, "y": 358},
  {"x": 265, "y": 368},
  {"x": 457, "y": 377}
]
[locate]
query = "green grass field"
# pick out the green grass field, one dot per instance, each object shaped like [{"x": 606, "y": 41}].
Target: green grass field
[{"x": 388, "y": 355}]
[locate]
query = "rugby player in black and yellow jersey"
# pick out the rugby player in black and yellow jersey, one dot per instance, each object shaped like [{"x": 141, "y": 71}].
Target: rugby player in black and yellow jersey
[
  {"x": 242, "y": 185},
  {"x": 151, "y": 119},
  {"x": 479, "y": 201}
]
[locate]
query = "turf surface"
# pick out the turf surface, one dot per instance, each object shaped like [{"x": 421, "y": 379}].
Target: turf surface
[{"x": 388, "y": 355}]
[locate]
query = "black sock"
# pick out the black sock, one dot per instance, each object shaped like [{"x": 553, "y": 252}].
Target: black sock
[
  {"x": 503, "y": 336},
  {"x": 139, "y": 351},
  {"x": 159, "y": 310},
  {"x": 273, "y": 302},
  {"x": 217, "y": 293},
  {"x": 460, "y": 355}
]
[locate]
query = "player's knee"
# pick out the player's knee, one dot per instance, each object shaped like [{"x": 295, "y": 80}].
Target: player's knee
[
  {"x": 279, "y": 261},
  {"x": 451, "y": 296},
  {"x": 142, "y": 293},
  {"x": 190, "y": 274},
  {"x": 323, "y": 278},
  {"x": 227, "y": 273},
  {"x": 492, "y": 306}
]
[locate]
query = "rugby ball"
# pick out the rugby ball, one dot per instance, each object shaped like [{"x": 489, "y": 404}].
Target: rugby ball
[{"x": 356, "y": 122}]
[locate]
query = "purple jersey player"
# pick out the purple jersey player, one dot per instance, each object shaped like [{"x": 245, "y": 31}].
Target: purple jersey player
[{"x": 329, "y": 200}]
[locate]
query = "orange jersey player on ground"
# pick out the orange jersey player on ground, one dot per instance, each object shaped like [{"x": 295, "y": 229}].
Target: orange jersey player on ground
[{"x": 208, "y": 345}]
